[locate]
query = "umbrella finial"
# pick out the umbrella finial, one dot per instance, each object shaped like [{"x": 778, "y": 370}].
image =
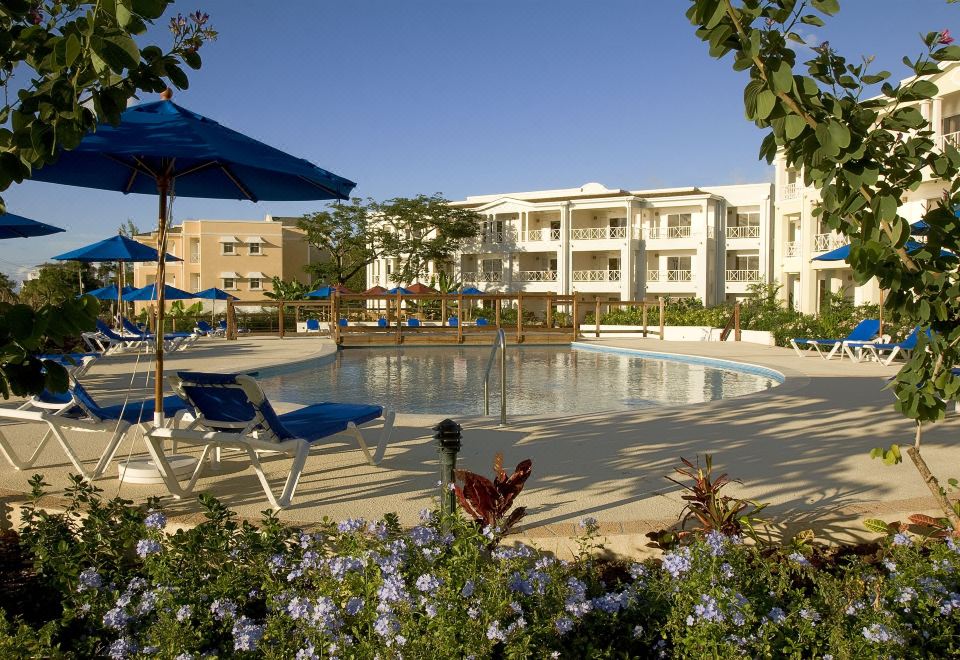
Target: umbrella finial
[{"x": 166, "y": 94}]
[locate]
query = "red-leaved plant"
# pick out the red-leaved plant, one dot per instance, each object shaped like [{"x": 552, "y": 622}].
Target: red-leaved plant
[{"x": 489, "y": 501}]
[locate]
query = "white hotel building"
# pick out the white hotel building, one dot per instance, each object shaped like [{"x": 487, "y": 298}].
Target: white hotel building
[
  {"x": 800, "y": 236},
  {"x": 710, "y": 243}
]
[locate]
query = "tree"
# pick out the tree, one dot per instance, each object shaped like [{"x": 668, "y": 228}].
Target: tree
[
  {"x": 72, "y": 63},
  {"x": 864, "y": 154},
  {"x": 422, "y": 229},
  {"x": 57, "y": 283},
  {"x": 7, "y": 286},
  {"x": 347, "y": 235}
]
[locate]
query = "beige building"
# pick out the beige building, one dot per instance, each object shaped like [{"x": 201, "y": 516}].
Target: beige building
[{"x": 238, "y": 256}]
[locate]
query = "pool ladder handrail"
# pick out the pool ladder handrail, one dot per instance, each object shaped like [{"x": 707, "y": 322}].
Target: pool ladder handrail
[{"x": 499, "y": 342}]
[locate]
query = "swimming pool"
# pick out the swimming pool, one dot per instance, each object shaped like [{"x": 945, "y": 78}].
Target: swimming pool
[{"x": 540, "y": 380}]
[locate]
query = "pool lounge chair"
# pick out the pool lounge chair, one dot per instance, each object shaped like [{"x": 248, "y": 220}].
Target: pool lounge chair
[
  {"x": 76, "y": 410},
  {"x": 382, "y": 322},
  {"x": 76, "y": 363},
  {"x": 203, "y": 328},
  {"x": 481, "y": 322},
  {"x": 907, "y": 346},
  {"x": 453, "y": 321},
  {"x": 174, "y": 341},
  {"x": 232, "y": 411},
  {"x": 866, "y": 330},
  {"x": 413, "y": 323},
  {"x": 108, "y": 341},
  {"x": 313, "y": 325}
]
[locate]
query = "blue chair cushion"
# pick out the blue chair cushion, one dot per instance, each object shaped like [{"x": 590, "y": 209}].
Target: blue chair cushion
[{"x": 322, "y": 419}]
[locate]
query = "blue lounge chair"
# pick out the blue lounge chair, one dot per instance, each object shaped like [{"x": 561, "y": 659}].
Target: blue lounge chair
[
  {"x": 222, "y": 328},
  {"x": 232, "y": 411},
  {"x": 313, "y": 325},
  {"x": 453, "y": 321},
  {"x": 482, "y": 322},
  {"x": 108, "y": 341},
  {"x": 174, "y": 340},
  {"x": 907, "y": 346},
  {"x": 76, "y": 363},
  {"x": 413, "y": 323},
  {"x": 382, "y": 322},
  {"x": 865, "y": 331},
  {"x": 76, "y": 410},
  {"x": 204, "y": 328},
  {"x": 342, "y": 323}
]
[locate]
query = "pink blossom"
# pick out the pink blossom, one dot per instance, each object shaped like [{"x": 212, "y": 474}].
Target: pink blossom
[{"x": 945, "y": 38}]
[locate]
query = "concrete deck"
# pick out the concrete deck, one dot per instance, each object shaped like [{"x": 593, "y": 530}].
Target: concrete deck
[{"x": 802, "y": 446}]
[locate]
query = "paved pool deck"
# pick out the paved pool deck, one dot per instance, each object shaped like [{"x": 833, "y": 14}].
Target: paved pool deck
[{"x": 803, "y": 447}]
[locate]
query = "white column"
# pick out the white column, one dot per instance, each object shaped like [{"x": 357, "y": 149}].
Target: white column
[
  {"x": 936, "y": 117},
  {"x": 701, "y": 262},
  {"x": 808, "y": 275},
  {"x": 627, "y": 266},
  {"x": 564, "y": 260}
]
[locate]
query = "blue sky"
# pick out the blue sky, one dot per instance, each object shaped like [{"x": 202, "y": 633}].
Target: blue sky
[{"x": 469, "y": 97}]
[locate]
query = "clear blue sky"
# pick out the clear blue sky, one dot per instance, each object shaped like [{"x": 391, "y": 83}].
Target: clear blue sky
[{"x": 469, "y": 97}]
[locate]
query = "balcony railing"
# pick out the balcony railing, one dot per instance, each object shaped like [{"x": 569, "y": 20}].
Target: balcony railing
[
  {"x": 791, "y": 249},
  {"x": 482, "y": 276},
  {"x": 824, "y": 242},
  {"x": 596, "y": 276},
  {"x": 536, "y": 276},
  {"x": 597, "y": 233},
  {"x": 541, "y": 235},
  {"x": 790, "y": 191},
  {"x": 743, "y": 275},
  {"x": 497, "y": 237},
  {"x": 669, "y": 275},
  {"x": 746, "y": 231},
  {"x": 194, "y": 257},
  {"x": 669, "y": 232},
  {"x": 952, "y": 139}
]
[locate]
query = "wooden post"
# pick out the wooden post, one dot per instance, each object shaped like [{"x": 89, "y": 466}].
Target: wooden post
[
  {"x": 549, "y": 310},
  {"x": 399, "y": 323},
  {"x": 662, "y": 310},
  {"x": 443, "y": 309},
  {"x": 596, "y": 316},
  {"x": 231, "y": 320},
  {"x": 736, "y": 321},
  {"x": 575, "y": 321},
  {"x": 496, "y": 303},
  {"x": 644, "y": 307},
  {"x": 460, "y": 318},
  {"x": 519, "y": 317},
  {"x": 280, "y": 317}
]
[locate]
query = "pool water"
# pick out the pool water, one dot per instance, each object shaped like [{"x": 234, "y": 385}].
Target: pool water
[{"x": 540, "y": 380}]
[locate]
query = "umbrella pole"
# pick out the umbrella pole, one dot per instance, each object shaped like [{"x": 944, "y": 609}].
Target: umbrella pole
[{"x": 163, "y": 188}]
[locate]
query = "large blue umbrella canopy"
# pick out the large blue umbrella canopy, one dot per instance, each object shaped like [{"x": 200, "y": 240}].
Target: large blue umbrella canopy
[
  {"x": 149, "y": 292},
  {"x": 16, "y": 226},
  {"x": 471, "y": 291},
  {"x": 322, "y": 292},
  {"x": 919, "y": 228},
  {"x": 165, "y": 149},
  {"x": 842, "y": 253},
  {"x": 115, "y": 248},
  {"x": 197, "y": 155},
  {"x": 213, "y": 293},
  {"x": 399, "y": 289},
  {"x": 109, "y": 292}
]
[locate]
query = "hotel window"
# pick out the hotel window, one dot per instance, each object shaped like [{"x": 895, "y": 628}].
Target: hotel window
[
  {"x": 256, "y": 284},
  {"x": 229, "y": 284},
  {"x": 492, "y": 265},
  {"x": 678, "y": 263},
  {"x": 255, "y": 248},
  {"x": 194, "y": 281},
  {"x": 750, "y": 262},
  {"x": 618, "y": 222},
  {"x": 748, "y": 219},
  {"x": 678, "y": 220},
  {"x": 194, "y": 250},
  {"x": 389, "y": 268},
  {"x": 227, "y": 248},
  {"x": 951, "y": 124}
]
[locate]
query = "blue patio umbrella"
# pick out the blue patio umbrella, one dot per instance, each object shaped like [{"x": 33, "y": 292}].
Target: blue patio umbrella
[
  {"x": 115, "y": 248},
  {"x": 149, "y": 293},
  {"x": 919, "y": 228},
  {"x": 16, "y": 226},
  {"x": 471, "y": 291},
  {"x": 109, "y": 292},
  {"x": 842, "y": 253},
  {"x": 322, "y": 292},
  {"x": 399, "y": 289},
  {"x": 214, "y": 294},
  {"x": 164, "y": 149}
]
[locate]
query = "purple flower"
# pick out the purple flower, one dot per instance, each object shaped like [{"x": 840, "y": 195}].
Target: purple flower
[
  {"x": 351, "y": 525},
  {"x": 299, "y": 608},
  {"x": 428, "y": 583},
  {"x": 422, "y": 536},
  {"x": 776, "y": 615},
  {"x": 902, "y": 539},
  {"x": 880, "y": 634},
  {"x": 117, "y": 618},
  {"x": 563, "y": 625},
  {"x": 716, "y": 542},
  {"x": 354, "y": 605},
  {"x": 148, "y": 547},
  {"x": 707, "y": 610},
  {"x": 89, "y": 579},
  {"x": 184, "y": 613},
  {"x": 944, "y": 38},
  {"x": 246, "y": 635},
  {"x": 677, "y": 563},
  {"x": 798, "y": 558},
  {"x": 155, "y": 520},
  {"x": 589, "y": 523},
  {"x": 519, "y": 585},
  {"x": 223, "y": 609},
  {"x": 495, "y": 634},
  {"x": 468, "y": 589},
  {"x": 122, "y": 648},
  {"x": 386, "y": 625}
]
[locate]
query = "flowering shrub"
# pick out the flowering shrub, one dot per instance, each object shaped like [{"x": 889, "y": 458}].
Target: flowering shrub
[{"x": 364, "y": 589}]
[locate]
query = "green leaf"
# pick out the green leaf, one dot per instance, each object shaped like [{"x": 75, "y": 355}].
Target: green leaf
[
  {"x": 947, "y": 54},
  {"x": 839, "y": 133},
  {"x": 783, "y": 78},
  {"x": 794, "y": 126},
  {"x": 828, "y": 7},
  {"x": 124, "y": 13},
  {"x": 766, "y": 100},
  {"x": 875, "y": 525},
  {"x": 921, "y": 89},
  {"x": 811, "y": 19}
]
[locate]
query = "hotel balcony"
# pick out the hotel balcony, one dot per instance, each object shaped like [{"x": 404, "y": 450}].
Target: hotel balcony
[
  {"x": 545, "y": 234},
  {"x": 743, "y": 276},
  {"x": 597, "y": 233},
  {"x": 953, "y": 139},
  {"x": 596, "y": 275},
  {"x": 791, "y": 249},
  {"x": 825, "y": 242},
  {"x": 747, "y": 231},
  {"x": 481, "y": 276},
  {"x": 790, "y": 191},
  {"x": 669, "y": 275},
  {"x": 535, "y": 276},
  {"x": 656, "y": 233}
]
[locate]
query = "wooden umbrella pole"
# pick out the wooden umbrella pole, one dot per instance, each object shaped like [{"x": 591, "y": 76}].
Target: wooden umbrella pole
[{"x": 163, "y": 188}]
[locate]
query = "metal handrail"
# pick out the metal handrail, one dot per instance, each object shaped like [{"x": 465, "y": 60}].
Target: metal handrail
[{"x": 500, "y": 341}]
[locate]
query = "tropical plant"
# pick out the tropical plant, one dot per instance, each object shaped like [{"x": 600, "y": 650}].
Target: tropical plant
[
  {"x": 83, "y": 66},
  {"x": 288, "y": 290},
  {"x": 489, "y": 501},
  {"x": 864, "y": 149}
]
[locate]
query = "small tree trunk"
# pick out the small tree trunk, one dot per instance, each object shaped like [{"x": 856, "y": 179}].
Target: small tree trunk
[{"x": 934, "y": 486}]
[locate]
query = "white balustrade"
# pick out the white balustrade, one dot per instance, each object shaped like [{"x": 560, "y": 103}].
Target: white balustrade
[
  {"x": 482, "y": 276},
  {"x": 533, "y": 235},
  {"x": 596, "y": 276},
  {"x": 790, "y": 191},
  {"x": 682, "y": 231},
  {"x": 824, "y": 242},
  {"x": 536, "y": 276},
  {"x": 498, "y": 237},
  {"x": 743, "y": 275},
  {"x": 952, "y": 139},
  {"x": 597, "y": 233},
  {"x": 791, "y": 249},
  {"x": 746, "y": 231},
  {"x": 669, "y": 275}
]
